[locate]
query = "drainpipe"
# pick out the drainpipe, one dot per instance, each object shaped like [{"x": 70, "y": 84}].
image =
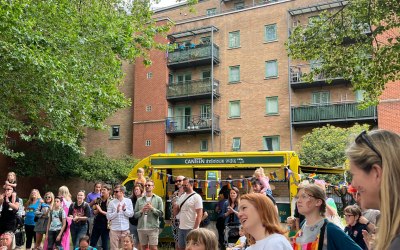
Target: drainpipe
[{"x": 212, "y": 89}]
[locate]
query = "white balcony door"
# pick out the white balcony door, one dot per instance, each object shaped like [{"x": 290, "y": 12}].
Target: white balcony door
[{"x": 182, "y": 117}]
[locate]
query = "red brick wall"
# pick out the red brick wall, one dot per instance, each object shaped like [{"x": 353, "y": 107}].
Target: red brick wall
[{"x": 389, "y": 108}]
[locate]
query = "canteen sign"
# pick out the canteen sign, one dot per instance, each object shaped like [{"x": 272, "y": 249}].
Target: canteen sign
[{"x": 269, "y": 159}]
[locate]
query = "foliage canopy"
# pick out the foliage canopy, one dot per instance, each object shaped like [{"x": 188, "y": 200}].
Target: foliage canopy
[
  {"x": 359, "y": 42},
  {"x": 60, "y": 65}
]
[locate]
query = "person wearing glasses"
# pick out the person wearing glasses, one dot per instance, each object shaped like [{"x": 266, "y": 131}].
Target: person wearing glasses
[
  {"x": 6, "y": 241},
  {"x": 375, "y": 168},
  {"x": 42, "y": 215},
  {"x": 119, "y": 211},
  {"x": 317, "y": 232},
  {"x": 148, "y": 209},
  {"x": 175, "y": 208},
  {"x": 8, "y": 214},
  {"x": 354, "y": 228},
  {"x": 190, "y": 207}
]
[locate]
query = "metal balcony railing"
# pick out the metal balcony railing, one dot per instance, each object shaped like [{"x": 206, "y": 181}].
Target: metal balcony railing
[
  {"x": 331, "y": 112},
  {"x": 197, "y": 55},
  {"x": 192, "y": 124},
  {"x": 194, "y": 88}
]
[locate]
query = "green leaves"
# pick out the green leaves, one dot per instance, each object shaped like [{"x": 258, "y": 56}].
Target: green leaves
[
  {"x": 359, "y": 42},
  {"x": 60, "y": 65}
]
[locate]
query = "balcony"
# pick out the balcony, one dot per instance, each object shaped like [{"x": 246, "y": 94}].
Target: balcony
[
  {"x": 297, "y": 75},
  {"x": 198, "y": 55},
  {"x": 191, "y": 124},
  {"x": 193, "y": 90},
  {"x": 331, "y": 113}
]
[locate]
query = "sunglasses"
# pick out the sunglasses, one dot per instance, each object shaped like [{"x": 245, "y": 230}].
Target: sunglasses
[
  {"x": 178, "y": 181},
  {"x": 46, "y": 197},
  {"x": 348, "y": 215},
  {"x": 116, "y": 191},
  {"x": 363, "y": 137},
  {"x": 147, "y": 185}
]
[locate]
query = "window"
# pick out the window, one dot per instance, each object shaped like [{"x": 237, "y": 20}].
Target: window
[
  {"x": 234, "y": 74},
  {"x": 184, "y": 78},
  {"x": 149, "y": 75},
  {"x": 204, "y": 145},
  {"x": 271, "y": 69},
  {"x": 170, "y": 147},
  {"x": 148, "y": 143},
  {"x": 211, "y": 12},
  {"x": 206, "y": 74},
  {"x": 270, "y": 33},
  {"x": 148, "y": 108},
  {"x": 234, "y": 109},
  {"x": 236, "y": 145},
  {"x": 239, "y": 5},
  {"x": 359, "y": 95},
  {"x": 271, "y": 143},
  {"x": 205, "y": 111},
  {"x": 272, "y": 105},
  {"x": 234, "y": 39},
  {"x": 322, "y": 97},
  {"x": 115, "y": 131}
]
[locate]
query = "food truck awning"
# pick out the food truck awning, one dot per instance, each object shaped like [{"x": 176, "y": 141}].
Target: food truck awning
[{"x": 322, "y": 170}]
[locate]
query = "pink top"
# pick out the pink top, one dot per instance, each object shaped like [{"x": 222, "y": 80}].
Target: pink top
[{"x": 265, "y": 183}]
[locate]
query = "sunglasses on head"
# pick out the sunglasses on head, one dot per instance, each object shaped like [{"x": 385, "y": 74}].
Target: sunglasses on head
[{"x": 363, "y": 137}]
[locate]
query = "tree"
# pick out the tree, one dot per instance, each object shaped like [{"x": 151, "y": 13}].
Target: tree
[
  {"x": 60, "y": 65},
  {"x": 101, "y": 167},
  {"x": 359, "y": 42}
]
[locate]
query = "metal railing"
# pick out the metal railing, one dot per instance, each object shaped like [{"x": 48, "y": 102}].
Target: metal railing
[
  {"x": 193, "y": 88},
  {"x": 198, "y": 52},
  {"x": 297, "y": 73},
  {"x": 334, "y": 111},
  {"x": 191, "y": 123}
]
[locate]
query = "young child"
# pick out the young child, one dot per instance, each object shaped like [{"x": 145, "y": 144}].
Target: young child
[
  {"x": 12, "y": 181},
  {"x": 291, "y": 224},
  {"x": 242, "y": 241},
  {"x": 264, "y": 180},
  {"x": 140, "y": 177},
  {"x": 56, "y": 224}
]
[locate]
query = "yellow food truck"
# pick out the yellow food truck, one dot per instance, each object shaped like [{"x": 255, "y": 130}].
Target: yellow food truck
[{"x": 213, "y": 170}]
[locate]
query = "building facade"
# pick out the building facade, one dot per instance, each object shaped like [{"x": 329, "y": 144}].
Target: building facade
[{"x": 227, "y": 83}]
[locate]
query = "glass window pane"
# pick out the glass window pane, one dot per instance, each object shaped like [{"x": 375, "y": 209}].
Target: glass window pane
[
  {"x": 272, "y": 105},
  {"x": 234, "y": 109},
  {"x": 234, "y": 39},
  {"x": 234, "y": 74},
  {"x": 271, "y": 69},
  {"x": 270, "y": 32}
]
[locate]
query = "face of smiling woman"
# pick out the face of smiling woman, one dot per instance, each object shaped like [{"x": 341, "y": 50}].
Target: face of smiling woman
[{"x": 249, "y": 217}]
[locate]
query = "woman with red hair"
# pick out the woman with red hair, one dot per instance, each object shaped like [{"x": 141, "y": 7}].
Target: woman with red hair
[{"x": 259, "y": 220}]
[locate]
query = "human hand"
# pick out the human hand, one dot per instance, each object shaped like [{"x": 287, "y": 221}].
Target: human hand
[
  {"x": 118, "y": 208},
  {"x": 368, "y": 238},
  {"x": 363, "y": 220},
  {"x": 124, "y": 206}
]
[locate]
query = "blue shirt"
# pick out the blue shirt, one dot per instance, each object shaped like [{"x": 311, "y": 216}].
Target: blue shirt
[{"x": 30, "y": 213}]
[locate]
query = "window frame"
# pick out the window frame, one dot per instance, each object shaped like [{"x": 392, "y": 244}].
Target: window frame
[
  {"x": 211, "y": 11},
  {"x": 236, "y": 35},
  {"x": 239, "y": 5},
  {"x": 115, "y": 137},
  {"x": 275, "y": 61},
  {"x": 270, "y": 98},
  {"x": 265, "y": 32},
  {"x": 149, "y": 75},
  {"x": 231, "y": 68},
  {"x": 203, "y": 149},
  {"x": 320, "y": 97},
  {"x": 272, "y": 137},
  {"x": 236, "y": 149},
  {"x": 230, "y": 109},
  {"x": 147, "y": 143}
]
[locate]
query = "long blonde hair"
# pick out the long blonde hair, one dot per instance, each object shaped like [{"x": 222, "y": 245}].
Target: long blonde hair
[
  {"x": 30, "y": 199},
  {"x": 387, "y": 144},
  {"x": 64, "y": 192}
]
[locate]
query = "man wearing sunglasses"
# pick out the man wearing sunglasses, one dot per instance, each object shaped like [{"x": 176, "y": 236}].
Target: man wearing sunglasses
[
  {"x": 149, "y": 209},
  {"x": 8, "y": 215},
  {"x": 175, "y": 208},
  {"x": 119, "y": 211}
]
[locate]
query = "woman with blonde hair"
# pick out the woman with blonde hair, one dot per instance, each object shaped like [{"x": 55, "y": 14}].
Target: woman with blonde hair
[
  {"x": 66, "y": 202},
  {"x": 201, "y": 239},
  {"x": 317, "y": 232},
  {"x": 42, "y": 212},
  {"x": 259, "y": 220},
  {"x": 375, "y": 166},
  {"x": 31, "y": 205}
]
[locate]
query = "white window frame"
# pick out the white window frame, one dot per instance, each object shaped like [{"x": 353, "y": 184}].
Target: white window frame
[
  {"x": 319, "y": 101},
  {"x": 234, "y": 39},
  {"x": 231, "y": 70},
  {"x": 116, "y": 127},
  {"x": 148, "y": 108},
  {"x": 147, "y": 143},
  {"x": 204, "y": 145},
  {"x": 276, "y": 137},
  {"x": 211, "y": 11},
  {"x": 149, "y": 75}
]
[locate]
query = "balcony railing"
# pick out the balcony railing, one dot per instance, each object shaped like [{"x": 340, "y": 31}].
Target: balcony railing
[
  {"x": 335, "y": 112},
  {"x": 198, "y": 55},
  {"x": 191, "y": 124},
  {"x": 196, "y": 89},
  {"x": 298, "y": 72}
]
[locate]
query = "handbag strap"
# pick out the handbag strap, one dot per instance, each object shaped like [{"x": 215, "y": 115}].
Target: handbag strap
[
  {"x": 322, "y": 235},
  {"x": 180, "y": 206}
]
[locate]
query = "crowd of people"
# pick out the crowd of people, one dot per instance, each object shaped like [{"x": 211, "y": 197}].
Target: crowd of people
[{"x": 107, "y": 219}]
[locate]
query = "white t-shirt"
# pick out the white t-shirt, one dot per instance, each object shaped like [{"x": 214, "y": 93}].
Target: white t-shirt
[
  {"x": 272, "y": 242},
  {"x": 188, "y": 214}
]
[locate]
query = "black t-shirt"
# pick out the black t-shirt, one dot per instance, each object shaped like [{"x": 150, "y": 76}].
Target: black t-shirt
[
  {"x": 134, "y": 221},
  {"x": 355, "y": 232},
  {"x": 8, "y": 218},
  {"x": 82, "y": 210},
  {"x": 100, "y": 220}
]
